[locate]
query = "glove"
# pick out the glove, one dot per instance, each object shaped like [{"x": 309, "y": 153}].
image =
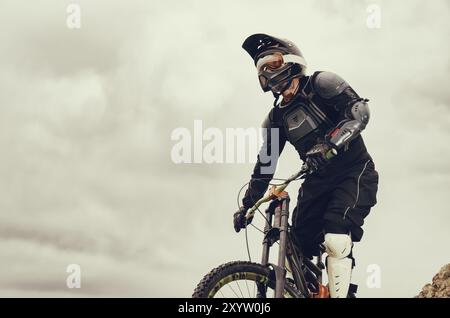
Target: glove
[
  {"x": 319, "y": 156},
  {"x": 239, "y": 220}
]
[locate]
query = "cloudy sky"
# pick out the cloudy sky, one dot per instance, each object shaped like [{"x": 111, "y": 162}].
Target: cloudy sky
[{"x": 87, "y": 115}]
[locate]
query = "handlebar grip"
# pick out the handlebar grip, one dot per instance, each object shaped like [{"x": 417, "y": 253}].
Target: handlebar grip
[{"x": 331, "y": 153}]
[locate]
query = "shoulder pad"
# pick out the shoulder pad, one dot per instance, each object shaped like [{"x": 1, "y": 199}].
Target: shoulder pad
[{"x": 328, "y": 84}]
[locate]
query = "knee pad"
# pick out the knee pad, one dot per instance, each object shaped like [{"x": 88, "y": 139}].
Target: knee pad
[{"x": 338, "y": 245}]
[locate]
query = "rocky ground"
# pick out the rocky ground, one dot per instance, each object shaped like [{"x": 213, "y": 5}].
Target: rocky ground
[{"x": 439, "y": 287}]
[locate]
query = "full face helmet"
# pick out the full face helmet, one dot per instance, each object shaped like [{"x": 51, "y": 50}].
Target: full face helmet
[{"x": 277, "y": 61}]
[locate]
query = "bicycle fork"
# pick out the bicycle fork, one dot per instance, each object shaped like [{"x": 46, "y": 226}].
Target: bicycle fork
[
  {"x": 279, "y": 230},
  {"x": 280, "y": 270}
]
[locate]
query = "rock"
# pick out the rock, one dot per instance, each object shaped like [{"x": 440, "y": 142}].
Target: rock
[{"x": 439, "y": 287}]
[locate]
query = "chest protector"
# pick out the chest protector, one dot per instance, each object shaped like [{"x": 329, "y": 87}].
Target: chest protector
[
  {"x": 298, "y": 123},
  {"x": 305, "y": 120},
  {"x": 301, "y": 122}
]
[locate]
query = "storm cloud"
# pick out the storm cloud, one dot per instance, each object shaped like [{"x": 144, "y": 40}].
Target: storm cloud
[{"x": 87, "y": 114}]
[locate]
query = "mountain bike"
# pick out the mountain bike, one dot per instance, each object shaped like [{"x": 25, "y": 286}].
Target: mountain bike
[{"x": 244, "y": 279}]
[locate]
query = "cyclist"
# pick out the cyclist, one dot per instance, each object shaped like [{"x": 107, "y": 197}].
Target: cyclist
[{"x": 319, "y": 115}]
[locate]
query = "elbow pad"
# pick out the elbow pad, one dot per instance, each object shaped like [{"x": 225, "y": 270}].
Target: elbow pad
[{"x": 357, "y": 117}]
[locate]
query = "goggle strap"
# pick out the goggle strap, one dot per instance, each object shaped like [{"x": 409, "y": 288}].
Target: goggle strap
[{"x": 291, "y": 58}]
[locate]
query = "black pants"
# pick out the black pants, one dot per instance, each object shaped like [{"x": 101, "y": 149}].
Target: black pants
[{"x": 335, "y": 202}]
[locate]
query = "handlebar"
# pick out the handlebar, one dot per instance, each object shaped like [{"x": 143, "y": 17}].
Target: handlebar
[{"x": 276, "y": 191}]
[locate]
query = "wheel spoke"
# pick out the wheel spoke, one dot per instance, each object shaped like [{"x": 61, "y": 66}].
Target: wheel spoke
[
  {"x": 237, "y": 283},
  {"x": 248, "y": 291},
  {"x": 229, "y": 285},
  {"x": 269, "y": 292}
]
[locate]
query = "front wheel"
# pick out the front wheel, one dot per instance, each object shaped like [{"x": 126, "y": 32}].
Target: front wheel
[{"x": 241, "y": 280}]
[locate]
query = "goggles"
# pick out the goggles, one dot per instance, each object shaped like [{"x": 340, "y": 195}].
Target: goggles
[
  {"x": 274, "y": 68},
  {"x": 276, "y": 60}
]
